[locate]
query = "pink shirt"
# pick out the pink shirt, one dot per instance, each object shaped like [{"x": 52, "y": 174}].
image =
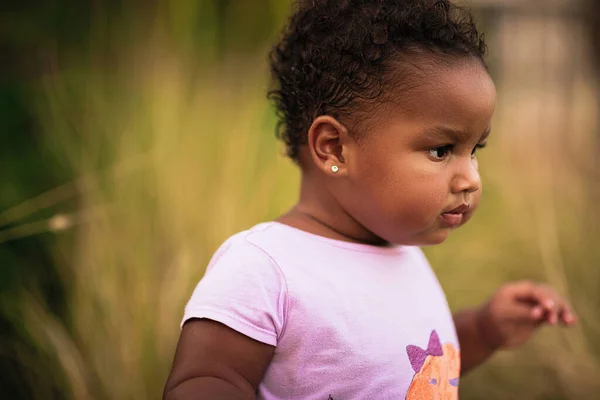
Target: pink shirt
[{"x": 349, "y": 321}]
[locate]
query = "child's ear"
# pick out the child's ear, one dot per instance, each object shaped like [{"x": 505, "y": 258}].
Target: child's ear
[{"x": 328, "y": 142}]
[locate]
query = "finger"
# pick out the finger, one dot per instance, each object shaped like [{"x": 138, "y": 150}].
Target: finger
[
  {"x": 527, "y": 313},
  {"x": 554, "y": 308},
  {"x": 527, "y": 291},
  {"x": 536, "y": 295},
  {"x": 551, "y": 310},
  {"x": 522, "y": 290},
  {"x": 552, "y": 303},
  {"x": 536, "y": 313},
  {"x": 558, "y": 308},
  {"x": 567, "y": 317}
]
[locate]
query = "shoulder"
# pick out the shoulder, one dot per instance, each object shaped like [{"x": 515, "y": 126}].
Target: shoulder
[
  {"x": 266, "y": 241},
  {"x": 250, "y": 241},
  {"x": 243, "y": 288},
  {"x": 246, "y": 251}
]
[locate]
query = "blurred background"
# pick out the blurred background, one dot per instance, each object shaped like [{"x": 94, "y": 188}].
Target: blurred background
[{"x": 136, "y": 137}]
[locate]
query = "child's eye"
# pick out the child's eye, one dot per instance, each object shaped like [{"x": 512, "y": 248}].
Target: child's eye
[
  {"x": 440, "y": 153},
  {"x": 478, "y": 146}
]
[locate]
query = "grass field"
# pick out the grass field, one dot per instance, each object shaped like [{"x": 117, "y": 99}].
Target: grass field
[{"x": 173, "y": 158}]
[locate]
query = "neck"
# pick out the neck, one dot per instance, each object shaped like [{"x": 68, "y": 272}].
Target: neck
[{"x": 319, "y": 212}]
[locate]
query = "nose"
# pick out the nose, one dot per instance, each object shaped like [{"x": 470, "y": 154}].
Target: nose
[{"x": 466, "y": 178}]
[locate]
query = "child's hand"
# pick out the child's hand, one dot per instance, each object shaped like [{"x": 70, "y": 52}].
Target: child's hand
[{"x": 514, "y": 312}]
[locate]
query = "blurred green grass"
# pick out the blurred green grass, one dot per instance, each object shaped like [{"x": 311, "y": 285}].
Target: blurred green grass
[{"x": 169, "y": 141}]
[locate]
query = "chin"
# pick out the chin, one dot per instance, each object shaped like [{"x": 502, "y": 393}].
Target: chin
[
  {"x": 437, "y": 237},
  {"x": 425, "y": 239}
]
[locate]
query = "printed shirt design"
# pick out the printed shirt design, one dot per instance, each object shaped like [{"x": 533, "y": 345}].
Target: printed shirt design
[{"x": 437, "y": 370}]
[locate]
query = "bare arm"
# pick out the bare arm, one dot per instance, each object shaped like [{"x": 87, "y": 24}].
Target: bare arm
[
  {"x": 474, "y": 350},
  {"x": 212, "y": 361}
]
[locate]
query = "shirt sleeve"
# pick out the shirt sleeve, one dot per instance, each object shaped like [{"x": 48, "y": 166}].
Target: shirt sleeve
[{"x": 244, "y": 289}]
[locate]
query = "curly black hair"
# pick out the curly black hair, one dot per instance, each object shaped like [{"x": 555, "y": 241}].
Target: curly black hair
[{"x": 334, "y": 54}]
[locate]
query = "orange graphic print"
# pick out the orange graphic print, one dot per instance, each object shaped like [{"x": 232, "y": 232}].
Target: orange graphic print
[{"x": 437, "y": 369}]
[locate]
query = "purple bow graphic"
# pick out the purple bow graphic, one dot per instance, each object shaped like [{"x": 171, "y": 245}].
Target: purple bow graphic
[{"x": 417, "y": 355}]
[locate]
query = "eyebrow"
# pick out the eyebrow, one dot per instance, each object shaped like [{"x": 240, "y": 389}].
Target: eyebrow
[{"x": 444, "y": 133}]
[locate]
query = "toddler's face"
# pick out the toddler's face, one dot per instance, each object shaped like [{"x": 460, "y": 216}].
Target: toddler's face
[{"x": 415, "y": 175}]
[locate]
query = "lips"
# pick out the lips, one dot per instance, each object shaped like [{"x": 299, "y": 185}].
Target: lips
[
  {"x": 463, "y": 208},
  {"x": 455, "y": 216},
  {"x": 452, "y": 219}
]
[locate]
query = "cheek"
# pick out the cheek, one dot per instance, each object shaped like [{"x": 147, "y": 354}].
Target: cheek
[
  {"x": 424, "y": 183},
  {"x": 411, "y": 189}
]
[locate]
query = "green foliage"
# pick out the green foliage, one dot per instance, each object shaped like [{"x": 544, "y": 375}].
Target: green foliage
[{"x": 145, "y": 140}]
